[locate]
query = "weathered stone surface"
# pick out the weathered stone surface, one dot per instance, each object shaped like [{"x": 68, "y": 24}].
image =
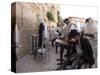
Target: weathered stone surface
[{"x": 27, "y": 22}]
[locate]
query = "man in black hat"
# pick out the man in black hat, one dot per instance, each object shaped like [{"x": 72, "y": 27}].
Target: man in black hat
[
  {"x": 79, "y": 46},
  {"x": 71, "y": 31}
]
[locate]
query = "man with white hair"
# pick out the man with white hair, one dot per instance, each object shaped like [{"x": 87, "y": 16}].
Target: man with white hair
[{"x": 90, "y": 29}]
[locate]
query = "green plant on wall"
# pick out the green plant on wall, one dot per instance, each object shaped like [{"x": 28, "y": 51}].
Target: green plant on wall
[{"x": 50, "y": 16}]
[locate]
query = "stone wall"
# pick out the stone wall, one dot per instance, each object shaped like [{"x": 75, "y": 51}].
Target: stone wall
[{"x": 27, "y": 23}]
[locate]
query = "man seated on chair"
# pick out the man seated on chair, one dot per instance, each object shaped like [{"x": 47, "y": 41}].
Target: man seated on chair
[
  {"x": 78, "y": 45},
  {"x": 83, "y": 50},
  {"x": 70, "y": 30}
]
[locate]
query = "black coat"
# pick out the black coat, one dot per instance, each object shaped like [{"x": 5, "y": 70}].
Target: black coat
[
  {"x": 41, "y": 28},
  {"x": 87, "y": 50}
]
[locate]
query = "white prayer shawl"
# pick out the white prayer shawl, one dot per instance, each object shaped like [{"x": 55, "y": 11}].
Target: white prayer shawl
[
  {"x": 45, "y": 32},
  {"x": 90, "y": 29},
  {"x": 40, "y": 19},
  {"x": 70, "y": 27},
  {"x": 67, "y": 28},
  {"x": 73, "y": 27}
]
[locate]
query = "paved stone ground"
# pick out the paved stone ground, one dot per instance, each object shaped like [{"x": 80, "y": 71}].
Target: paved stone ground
[{"x": 27, "y": 63}]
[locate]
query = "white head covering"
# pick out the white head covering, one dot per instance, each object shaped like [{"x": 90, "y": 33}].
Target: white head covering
[
  {"x": 45, "y": 32},
  {"x": 90, "y": 28},
  {"x": 41, "y": 20},
  {"x": 91, "y": 22}
]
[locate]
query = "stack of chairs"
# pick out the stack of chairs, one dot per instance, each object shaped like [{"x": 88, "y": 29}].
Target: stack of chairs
[
  {"x": 62, "y": 57},
  {"x": 67, "y": 62},
  {"x": 39, "y": 52}
]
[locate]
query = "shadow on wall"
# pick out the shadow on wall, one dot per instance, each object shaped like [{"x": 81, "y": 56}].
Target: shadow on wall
[{"x": 24, "y": 43}]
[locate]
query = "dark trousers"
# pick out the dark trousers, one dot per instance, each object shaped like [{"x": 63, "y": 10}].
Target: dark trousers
[
  {"x": 40, "y": 41},
  {"x": 53, "y": 41}
]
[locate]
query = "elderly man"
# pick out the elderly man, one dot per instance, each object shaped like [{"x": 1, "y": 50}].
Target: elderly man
[
  {"x": 83, "y": 52},
  {"x": 71, "y": 27},
  {"x": 70, "y": 30}
]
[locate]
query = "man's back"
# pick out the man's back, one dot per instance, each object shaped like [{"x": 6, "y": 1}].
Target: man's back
[{"x": 87, "y": 50}]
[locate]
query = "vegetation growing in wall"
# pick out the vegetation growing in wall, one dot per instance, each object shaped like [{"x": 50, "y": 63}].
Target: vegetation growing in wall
[{"x": 50, "y": 16}]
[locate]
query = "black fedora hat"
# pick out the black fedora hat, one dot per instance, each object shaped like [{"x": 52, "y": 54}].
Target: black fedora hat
[{"x": 73, "y": 33}]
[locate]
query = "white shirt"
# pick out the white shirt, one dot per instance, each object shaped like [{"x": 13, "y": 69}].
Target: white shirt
[{"x": 73, "y": 27}]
